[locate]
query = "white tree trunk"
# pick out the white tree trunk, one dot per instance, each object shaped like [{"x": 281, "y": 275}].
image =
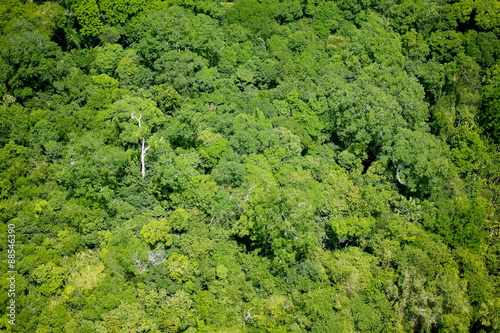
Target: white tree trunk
[
  {"x": 398, "y": 177},
  {"x": 143, "y": 158}
]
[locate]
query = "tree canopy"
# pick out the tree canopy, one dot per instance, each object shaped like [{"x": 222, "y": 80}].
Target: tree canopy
[{"x": 251, "y": 165}]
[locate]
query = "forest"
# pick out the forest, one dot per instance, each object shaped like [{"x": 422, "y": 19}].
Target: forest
[{"x": 250, "y": 166}]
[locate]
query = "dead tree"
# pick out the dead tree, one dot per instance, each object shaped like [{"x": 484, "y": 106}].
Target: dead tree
[
  {"x": 248, "y": 315},
  {"x": 143, "y": 158},
  {"x": 138, "y": 263},
  {"x": 144, "y": 149},
  {"x": 157, "y": 257},
  {"x": 398, "y": 177}
]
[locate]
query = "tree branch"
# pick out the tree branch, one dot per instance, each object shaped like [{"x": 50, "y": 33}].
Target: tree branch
[
  {"x": 139, "y": 265},
  {"x": 397, "y": 176},
  {"x": 248, "y": 315},
  {"x": 138, "y": 119},
  {"x": 143, "y": 158}
]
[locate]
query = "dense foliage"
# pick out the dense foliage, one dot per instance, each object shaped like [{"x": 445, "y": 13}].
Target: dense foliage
[{"x": 251, "y": 166}]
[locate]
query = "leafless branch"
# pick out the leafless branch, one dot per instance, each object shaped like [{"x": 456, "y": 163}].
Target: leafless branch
[
  {"x": 397, "y": 176},
  {"x": 139, "y": 265},
  {"x": 157, "y": 257},
  {"x": 138, "y": 119},
  {"x": 248, "y": 315}
]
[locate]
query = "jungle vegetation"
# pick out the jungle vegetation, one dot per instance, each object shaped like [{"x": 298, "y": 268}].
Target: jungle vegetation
[{"x": 251, "y": 166}]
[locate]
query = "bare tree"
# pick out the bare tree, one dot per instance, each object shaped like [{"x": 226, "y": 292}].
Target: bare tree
[
  {"x": 156, "y": 257},
  {"x": 248, "y": 315},
  {"x": 138, "y": 263},
  {"x": 144, "y": 149},
  {"x": 143, "y": 158},
  {"x": 133, "y": 116},
  {"x": 397, "y": 176}
]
